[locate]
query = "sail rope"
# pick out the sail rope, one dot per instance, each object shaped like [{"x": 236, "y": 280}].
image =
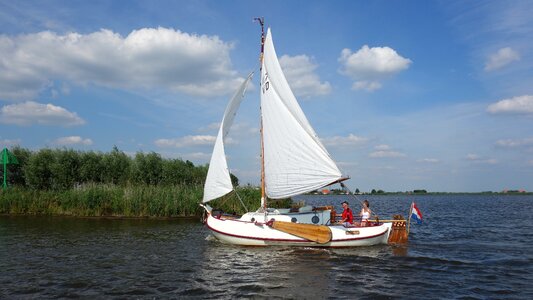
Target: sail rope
[
  {"x": 239, "y": 197},
  {"x": 353, "y": 195}
]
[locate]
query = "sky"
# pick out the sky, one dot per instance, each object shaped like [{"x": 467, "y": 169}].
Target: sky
[{"x": 405, "y": 95}]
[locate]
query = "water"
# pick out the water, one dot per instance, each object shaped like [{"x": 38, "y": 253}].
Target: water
[{"x": 468, "y": 247}]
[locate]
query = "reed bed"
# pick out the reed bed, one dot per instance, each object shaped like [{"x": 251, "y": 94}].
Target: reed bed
[{"x": 100, "y": 200}]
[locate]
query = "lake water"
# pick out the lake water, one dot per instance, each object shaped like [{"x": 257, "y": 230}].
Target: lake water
[{"x": 468, "y": 247}]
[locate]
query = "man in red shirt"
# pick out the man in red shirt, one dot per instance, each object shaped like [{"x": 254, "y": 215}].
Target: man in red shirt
[{"x": 347, "y": 215}]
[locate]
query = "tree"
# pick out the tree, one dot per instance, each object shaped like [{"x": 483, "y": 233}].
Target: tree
[
  {"x": 147, "y": 168},
  {"x": 91, "y": 166},
  {"x": 175, "y": 171},
  {"x": 16, "y": 172},
  {"x": 38, "y": 171},
  {"x": 116, "y": 167},
  {"x": 65, "y": 169}
]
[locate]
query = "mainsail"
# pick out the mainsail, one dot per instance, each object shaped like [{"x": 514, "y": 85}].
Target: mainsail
[
  {"x": 295, "y": 160},
  {"x": 218, "y": 181}
]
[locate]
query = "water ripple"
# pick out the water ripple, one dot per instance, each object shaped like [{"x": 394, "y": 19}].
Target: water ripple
[{"x": 448, "y": 257}]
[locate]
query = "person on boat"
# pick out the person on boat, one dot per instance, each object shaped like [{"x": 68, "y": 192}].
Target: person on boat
[
  {"x": 365, "y": 213},
  {"x": 347, "y": 215}
]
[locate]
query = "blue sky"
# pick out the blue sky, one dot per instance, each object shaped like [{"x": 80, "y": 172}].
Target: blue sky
[{"x": 405, "y": 95}]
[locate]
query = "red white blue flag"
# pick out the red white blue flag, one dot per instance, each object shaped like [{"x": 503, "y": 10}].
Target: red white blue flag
[{"x": 416, "y": 214}]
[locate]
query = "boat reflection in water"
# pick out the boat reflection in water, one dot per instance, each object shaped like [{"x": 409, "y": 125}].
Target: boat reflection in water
[{"x": 289, "y": 272}]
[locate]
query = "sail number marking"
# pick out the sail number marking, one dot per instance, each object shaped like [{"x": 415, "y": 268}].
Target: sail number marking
[{"x": 266, "y": 83}]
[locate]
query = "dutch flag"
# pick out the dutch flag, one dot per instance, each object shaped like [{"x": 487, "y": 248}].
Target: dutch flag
[{"x": 416, "y": 214}]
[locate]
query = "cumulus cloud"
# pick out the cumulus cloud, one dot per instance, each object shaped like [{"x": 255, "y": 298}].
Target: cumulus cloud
[
  {"x": 196, "y": 156},
  {"x": 186, "y": 141},
  {"x": 73, "y": 140},
  {"x": 30, "y": 112},
  {"x": 500, "y": 59},
  {"x": 517, "y": 105},
  {"x": 382, "y": 147},
  {"x": 369, "y": 66},
  {"x": 515, "y": 143},
  {"x": 300, "y": 73},
  {"x": 385, "y": 151},
  {"x": 147, "y": 58},
  {"x": 349, "y": 140},
  {"x": 481, "y": 160},
  {"x": 210, "y": 127},
  {"x": 366, "y": 85},
  {"x": 429, "y": 160}
]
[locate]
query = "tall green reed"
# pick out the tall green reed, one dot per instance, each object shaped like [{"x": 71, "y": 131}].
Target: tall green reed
[{"x": 129, "y": 201}]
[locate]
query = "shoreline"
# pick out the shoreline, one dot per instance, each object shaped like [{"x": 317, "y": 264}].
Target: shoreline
[{"x": 104, "y": 217}]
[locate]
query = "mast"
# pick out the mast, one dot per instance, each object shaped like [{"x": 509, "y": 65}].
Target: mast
[{"x": 261, "y": 21}]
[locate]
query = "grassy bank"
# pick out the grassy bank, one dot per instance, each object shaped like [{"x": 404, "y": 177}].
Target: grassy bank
[{"x": 129, "y": 201}]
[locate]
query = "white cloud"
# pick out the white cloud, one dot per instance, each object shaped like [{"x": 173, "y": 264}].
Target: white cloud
[
  {"x": 73, "y": 140},
  {"x": 385, "y": 151},
  {"x": 368, "y": 66},
  {"x": 481, "y": 160},
  {"x": 515, "y": 143},
  {"x": 30, "y": 112},
  {"x": 240, "y": 130},
  {"x": 517, "y": 105},
  {"x": 382, "y": 147},
  {"x": 147, "y": 58},
  {"x": 196, "y": 156},
  {"x": 366, "y": 85},
  {"x": 429, "y": 160},
  {"x": 300, "y": 73},
  {"x": 186, "y": 141},
  {"x": 347, "y": 164},
  {"x": 500, "y": 59},
  {"x": 471, "y": 156},
  {"x": 8, "y": 142},
  {"x": 349, "y": 140},
  {"x": 386, "y": 154},
  {"x": 211, "y": 127}
]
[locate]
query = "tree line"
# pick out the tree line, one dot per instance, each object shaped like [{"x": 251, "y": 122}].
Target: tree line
[{"x": 64, "y": 169}]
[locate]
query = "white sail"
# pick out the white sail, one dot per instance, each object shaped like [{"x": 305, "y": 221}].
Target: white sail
[
  {"x": 295, "y": 160},
  {"x": 218, "y": 181}
]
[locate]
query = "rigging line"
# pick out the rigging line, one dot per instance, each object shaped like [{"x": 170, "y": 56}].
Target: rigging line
[
  {"x": 353, "y": 195},
  {"x": 226, "y": 197},
  {"x": 239, "y": 197}
]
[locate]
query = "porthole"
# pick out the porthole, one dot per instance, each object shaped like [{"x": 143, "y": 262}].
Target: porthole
[
  {"x": 253, "y": 219},
  {"x": 294, "y": 220},
  {"x": 315, "y": 219}
]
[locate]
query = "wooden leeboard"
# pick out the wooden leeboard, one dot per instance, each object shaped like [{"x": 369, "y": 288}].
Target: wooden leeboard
[
  {"x": 398, "y": 235},
  {"x": 316, "y": 233}
]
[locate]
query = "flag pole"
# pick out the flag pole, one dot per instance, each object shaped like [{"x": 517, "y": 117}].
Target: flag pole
[{"x": 410, "y": 214}]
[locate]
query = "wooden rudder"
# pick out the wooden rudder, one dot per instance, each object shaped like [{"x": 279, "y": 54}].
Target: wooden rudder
[{"x": 398, "y": 235}]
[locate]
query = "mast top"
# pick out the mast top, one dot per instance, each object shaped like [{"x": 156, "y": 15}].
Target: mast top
[{"x": 261, "y": 21}]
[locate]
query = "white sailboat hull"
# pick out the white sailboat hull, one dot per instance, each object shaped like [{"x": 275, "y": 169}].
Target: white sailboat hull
[{"x": 248, "y": 233}]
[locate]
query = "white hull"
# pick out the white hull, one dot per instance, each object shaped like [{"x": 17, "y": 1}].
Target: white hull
[{"x": 252, "y": 233}]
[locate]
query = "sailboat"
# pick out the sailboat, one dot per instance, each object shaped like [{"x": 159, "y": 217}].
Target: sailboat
[{"x": 293, "y": 161}]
